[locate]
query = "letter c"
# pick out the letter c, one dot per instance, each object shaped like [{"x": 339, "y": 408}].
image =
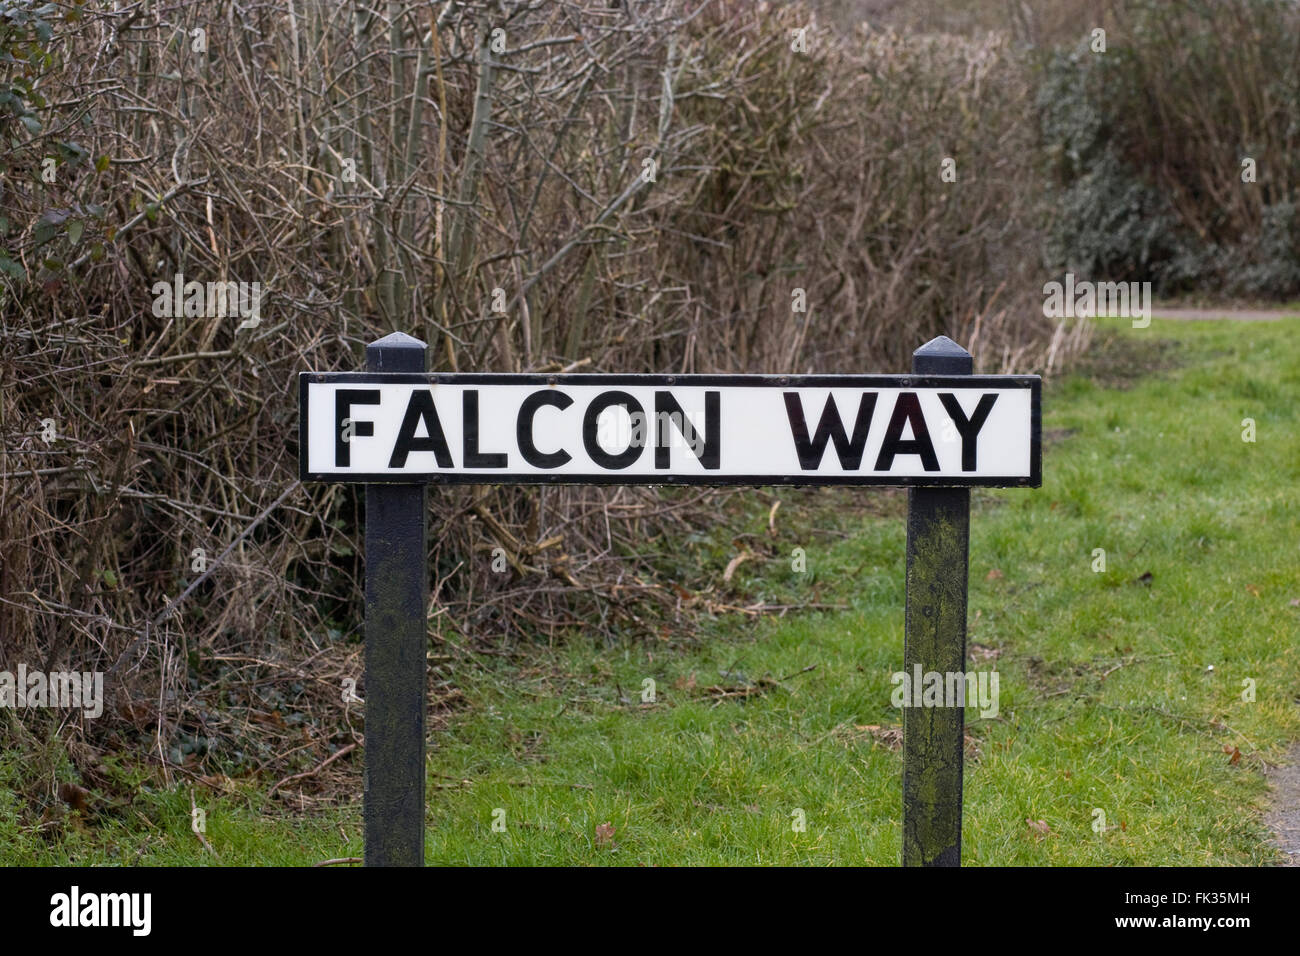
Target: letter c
[{"x": 524, "y": 429}]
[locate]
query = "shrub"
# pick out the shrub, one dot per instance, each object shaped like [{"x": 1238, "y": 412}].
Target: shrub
[
  {"x": 375, "y": 174},
  {"x": 1145, "y": 145}
]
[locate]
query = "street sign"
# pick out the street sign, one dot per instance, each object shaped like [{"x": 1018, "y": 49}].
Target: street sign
[
  {"x": 671, "y": 429},
  {"x": 397, "y": 429}
]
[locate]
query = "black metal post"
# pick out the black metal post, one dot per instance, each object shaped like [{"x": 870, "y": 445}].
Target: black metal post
[
  {"x": 938, "y": 545},
  {"x": 397, "y": 598}
]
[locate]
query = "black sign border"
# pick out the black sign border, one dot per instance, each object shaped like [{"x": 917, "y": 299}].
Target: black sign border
[{"x": 1033, "y": 382}]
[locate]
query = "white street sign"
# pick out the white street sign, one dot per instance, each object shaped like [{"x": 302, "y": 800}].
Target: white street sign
[{"x": 665, "y": 429}]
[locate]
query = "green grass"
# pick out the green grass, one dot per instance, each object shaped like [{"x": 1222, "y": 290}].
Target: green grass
[{"x": 1107, "y": 700}]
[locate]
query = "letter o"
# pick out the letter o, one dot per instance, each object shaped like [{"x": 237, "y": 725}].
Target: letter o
[{"x": 597, "y": 454}]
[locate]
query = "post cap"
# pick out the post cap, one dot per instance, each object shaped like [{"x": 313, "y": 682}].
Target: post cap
[
  {"x": 396, "y": 352},
  {"x": 397, "y": 340},
  {"x": 942, "y": 356}
]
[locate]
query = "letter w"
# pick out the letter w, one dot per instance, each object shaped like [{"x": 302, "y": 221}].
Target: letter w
[{"x": 829, "y": 428}]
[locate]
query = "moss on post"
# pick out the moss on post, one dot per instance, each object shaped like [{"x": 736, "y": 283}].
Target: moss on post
[{"x": 938, "y": 543}]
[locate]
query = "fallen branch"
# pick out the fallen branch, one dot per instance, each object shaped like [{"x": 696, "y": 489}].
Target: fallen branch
[{"x": 315, "y": 770}]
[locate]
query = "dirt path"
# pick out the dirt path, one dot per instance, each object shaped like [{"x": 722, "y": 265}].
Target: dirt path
[
  {"x": 1235, "y": 315},
  {"x": 1283, "y": 818}
]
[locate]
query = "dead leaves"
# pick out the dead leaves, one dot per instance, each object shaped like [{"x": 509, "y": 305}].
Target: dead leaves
[
  {"x": 70, "y": 810},
  {"x": 746, "y": 688},
  {"x": 1040, "y": 829},
  {"x": 605, "y": 836},
  {"x": 891, "y": 738},
  {"x": 141, "y": 714},
  {"x": 1234, "y": 755},
  {"x": 76, "y": 797},
  {"x": 218, "y": 782}
]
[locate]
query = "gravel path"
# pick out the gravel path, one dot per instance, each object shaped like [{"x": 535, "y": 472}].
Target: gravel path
[{"x": 1284, "y": 816}]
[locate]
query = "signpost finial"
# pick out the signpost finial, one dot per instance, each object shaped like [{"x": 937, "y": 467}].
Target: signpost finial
[{"x": 942, "y": 356}]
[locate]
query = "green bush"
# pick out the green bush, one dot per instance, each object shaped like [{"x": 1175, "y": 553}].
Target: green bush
[{"x": 1144, "y": 146}]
